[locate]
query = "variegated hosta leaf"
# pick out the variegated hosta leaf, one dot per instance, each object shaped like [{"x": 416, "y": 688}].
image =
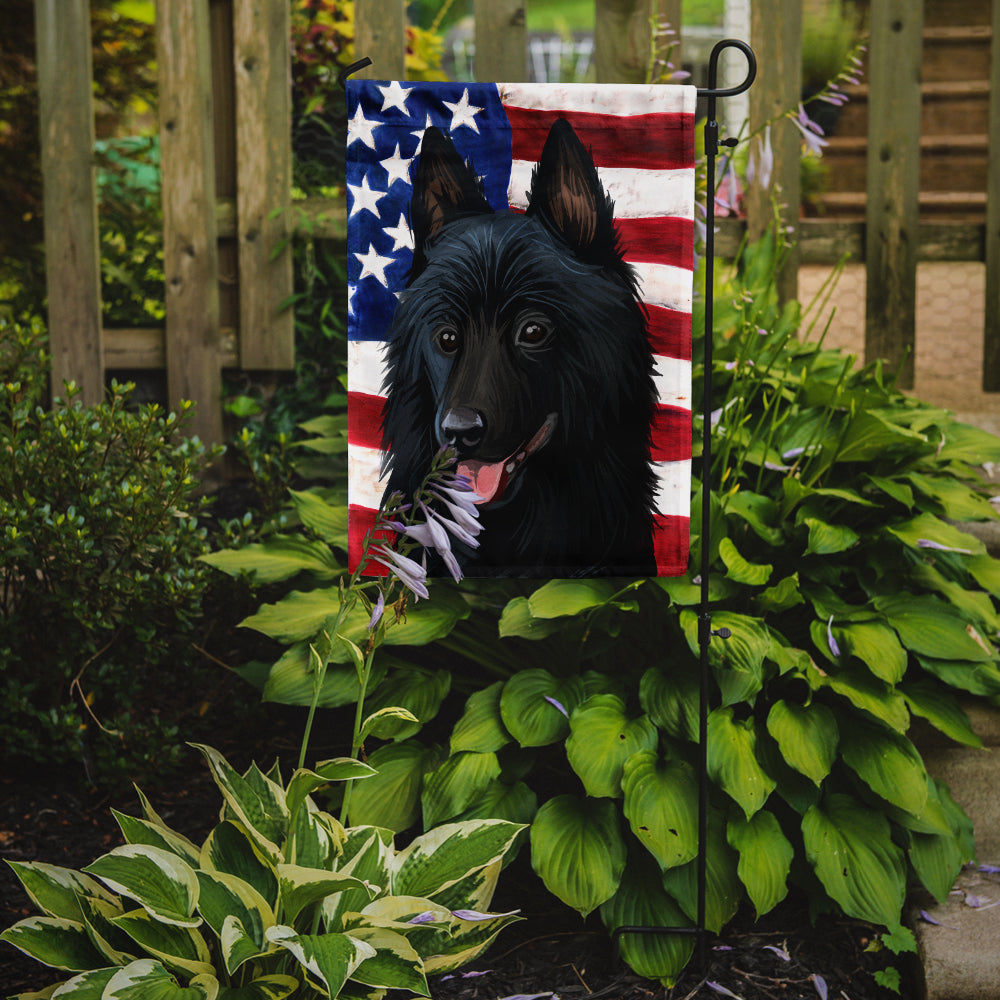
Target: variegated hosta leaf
[
  {"x": 395, "y": 964},
  {"x": 602, "y": 737},
  {"x": 56, "y": 891},
  {"x": 158, "y": 880},
  {"x": 476, "y": 890},
  {"x": 230, "y": 849},
  {"x": 367, "y": 852},
  {"x": 481, "y": 727},
  {"x": 274, "y": 987},
  {"x": 238, "y": 945},
  {"x": 441, "y": 857},
  {"x": 468, "y": 939},
  {"x": 661, "y": 799},
  {"x": 141, "y": 831},
  {"x": 147, "y": 979},
  {"x": 177, "y": 947},
  {"x": 807, "y": 736},
  {"x": 225, "y": 897},
  {"x": 256, "y": 801},
  {"x": 578, "y": 851},
  {"x": 850, "y": 847},
  {"x": 642, "y": 902},
  {"x": 328, "y": 959},
  {"x": 732, "y": 760},
  {"x": 116, "y": 946},
  {"x": 54, "y": 941},
  {"x": 765, "y": 858},
  {"x": 300, "y": 887},
  {"x": 304, "y": 782},
  {"x": 86, "y": 986},
  {"x": 456, "y": 784},
  {"x": 315, "y": 839}
]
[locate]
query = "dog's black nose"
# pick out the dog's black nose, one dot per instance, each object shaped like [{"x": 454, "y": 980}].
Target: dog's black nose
[{"x": 463, "y": 428}]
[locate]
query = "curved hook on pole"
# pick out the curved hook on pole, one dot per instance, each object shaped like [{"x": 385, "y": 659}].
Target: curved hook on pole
[
  {"x": 352, "y": 68},
  {"x": 713, "y": 69}
]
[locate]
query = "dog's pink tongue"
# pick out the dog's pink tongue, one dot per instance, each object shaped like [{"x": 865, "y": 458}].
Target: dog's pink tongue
[{"x": 485, "y": 478}]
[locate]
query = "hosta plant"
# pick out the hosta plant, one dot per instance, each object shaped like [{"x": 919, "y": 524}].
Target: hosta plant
[{"x": 279, "y": 900}]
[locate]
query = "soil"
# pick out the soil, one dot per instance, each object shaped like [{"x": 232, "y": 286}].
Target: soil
[{"x": 550, "y": 953}]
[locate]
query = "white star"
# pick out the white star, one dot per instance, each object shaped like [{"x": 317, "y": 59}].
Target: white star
[
  {"x": 364, "y": 197},
  {"x": 463, "y": 113},
  {"x": 373, "y": 264},
  {"x": 400, "y": 233},
  {"x": 360, "y": 128},
  {"x": 398, "y": 168},
  {"x": 420, "y": 134},
  {"x": 351, "y": 289},
  {"x": 395, "y": 97}
]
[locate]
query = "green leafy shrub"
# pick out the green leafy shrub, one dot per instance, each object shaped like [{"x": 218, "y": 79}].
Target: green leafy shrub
[
  {"x": 99, "y": 546},
  {"x": 854, "y": 604},
  {"x": 280, "y": 899}
]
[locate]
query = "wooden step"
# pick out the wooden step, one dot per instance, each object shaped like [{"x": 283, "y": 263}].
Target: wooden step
[
  {"x": 940, "y": 13},
  {"x": 956, "y": 53},
  {"x": 958, "y": 206}
]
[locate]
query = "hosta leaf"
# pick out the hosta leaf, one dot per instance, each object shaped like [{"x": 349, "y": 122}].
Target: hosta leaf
[
  {"x": 827, "y": 539},
  {"x": 274, "y": 987},
  {"x": 732, "y": 760},
  {"x": 870, "y": 435},
  {"x": 739, "y": 569},
  {"x": 559, "y": 598},
  {"x": 578, "y": 851},
  {"x": 738, "y": 661},
  {"x": 928, "y": 528},
  {"x": 850, "y": 848},
  {"x": 888, "y": 763},
  {"x": 56, "y": 891},
  {"x": 481, "y": 727},
  {"x": 147, "y": 979},
  {"x": 807, "y": 736},
  {"x": 957, "y": 501},
  {"x": 418, "y": 691},
  {"x": 765, "y": 858},
  {"x": 758, "y": 511},
  {"x": 330, "y": 959},
  {"x": 54, "y": 941},
  {"x": 641, "y": 901},
  {"x": 975, "y": 605},
  {"x": 723, "y": 889},
  {"x": 327, "y": 520},
  {"x": 395, "y": 964},
  {"x": 601, "y": 739},
  {"x": 159, "y": 881},
  {"x": 517, "y": 620},
  {"x": 301, "y": 887},
  {"x": 783, "y": 595},
  {"x": 986, "y": 571},
  {"x": 225, "y": 897},
  {"x": 866, "y": 692},
  {"x": 279, "y": 558},
  {"x": 466, "y": 941},
  {"x": 941, "y": 709},
  {"x": 180, "y": 948},
  {"x": 661, "y": 798},
  {"x": 976, "y": 678},
  {"x": 230, "y": 849},
  {"x": 965, "y": 443},
  {"x": 366, "y": 855},
  {"x": 530, "y": 706},
  {"x": 671, "y": 701},
  {"x": 516, "y": 803},
  {"x": 391, "y": 798},
  {"x": 441, "y": 857},
  {"x": 292, "y": 681},
  {"x": 931, "y": 628},
  {"x": 456, "y": 784},
  {"x": 876, "y": 646},
  {"x": 304, "y": 782},
  {"x": 86, "y": 986},
  {"x": 141, "y": 831},
  {"x": 937, "y": 859},
  {"x": 98, "y": 916}
]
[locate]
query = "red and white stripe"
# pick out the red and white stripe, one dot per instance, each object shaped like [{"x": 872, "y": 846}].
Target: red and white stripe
[{"x": 642, "y": 141}]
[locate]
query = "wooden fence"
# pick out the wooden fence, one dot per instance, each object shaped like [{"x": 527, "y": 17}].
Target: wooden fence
[{"x": 226, "y": 160}]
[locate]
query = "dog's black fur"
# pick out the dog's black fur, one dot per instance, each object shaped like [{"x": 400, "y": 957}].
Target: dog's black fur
[{"x": 520, "y": 339}]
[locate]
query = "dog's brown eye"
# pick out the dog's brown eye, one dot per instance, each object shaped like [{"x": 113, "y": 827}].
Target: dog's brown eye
[
  {"x": 446, "y": 339},
  {"x": 532, "y": 333}
]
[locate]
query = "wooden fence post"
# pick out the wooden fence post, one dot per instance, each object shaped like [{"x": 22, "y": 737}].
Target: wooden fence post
[
  {"x": 380, "y": 34},
  {"x": 262, "y": 61},
  {"x": 72, "y": 255},
  {"x": 776, "y": 35},
  {"x": 190, "y": 251},
  {"x": 622, "y": 40},
  {"x": 501, "y": 41},
  {"x": 893, "y": 183},
  {"x": 991, "y": 332}
]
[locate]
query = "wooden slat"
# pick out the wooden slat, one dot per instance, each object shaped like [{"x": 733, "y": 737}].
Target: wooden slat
[
  {"x": 501, "y": 41},
  {"x": 144, "y": 348},
  {"x": 621, "y": 40},
  {"x": 72, "y": 257},
  {"x": 380, "y": 34},
  {"x": 669, "y": 13},
  {"x": 991, "y": 332},
  {"x": 893, "y": 184},
  {"x": 262, "y": 61},
  {"x": 776, "y": 36},
  {"x": 190, "y": 254}
]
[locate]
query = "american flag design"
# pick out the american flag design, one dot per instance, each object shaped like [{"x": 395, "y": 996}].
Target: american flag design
[{"x": 641, "y": 139}]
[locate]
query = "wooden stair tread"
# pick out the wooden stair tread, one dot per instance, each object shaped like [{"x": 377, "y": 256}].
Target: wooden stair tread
[
  {"x": 936, "y": 199},
  {"x": 958, "y": 33},
  {"x": 934, "y": 89},
  {"x": 847, "y": 145}
]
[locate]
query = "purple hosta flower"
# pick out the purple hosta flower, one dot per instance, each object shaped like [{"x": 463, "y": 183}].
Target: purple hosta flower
[
  {"x": 377, "y": 612},
  {"x": 464, "y": 513},
  {"x": 465, "y": 975},
  {"x": 780, "y": 952},
  {"x": 719, "y": 988},
  {"x": 834, "y": 648},
  {"x": 727, "y": 198},
  {"x": 558, "y": 705},
  {"x": 427, "y": 917},
  {"x": 820, "y": 983},
  {"x": 457, "y": 527},
  {"x": 410, "y": 573},
  {"x": 761, "y": 163},
  {"x": 811, "y": 132},
  {"x": 927, "y": 918},
  {"x": 990, "y": 869},
  {"x": 927, "y": 543},
  {"x": 475, "y": 915},
  {"x": 531, "y": 996}
]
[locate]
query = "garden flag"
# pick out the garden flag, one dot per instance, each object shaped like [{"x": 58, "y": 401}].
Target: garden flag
[{"x": 520, "y": 280}]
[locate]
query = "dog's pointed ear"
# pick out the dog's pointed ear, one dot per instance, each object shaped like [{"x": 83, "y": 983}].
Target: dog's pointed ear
[
  {"x": 567, "y": 194},
  {"x": 445, "y": 187}
]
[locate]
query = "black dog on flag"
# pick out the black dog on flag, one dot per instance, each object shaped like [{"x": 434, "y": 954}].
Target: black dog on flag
[{"x": 520, "y": 340}]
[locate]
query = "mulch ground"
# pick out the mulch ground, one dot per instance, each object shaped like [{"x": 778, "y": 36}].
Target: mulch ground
[{"x": 552, "y": 952}]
